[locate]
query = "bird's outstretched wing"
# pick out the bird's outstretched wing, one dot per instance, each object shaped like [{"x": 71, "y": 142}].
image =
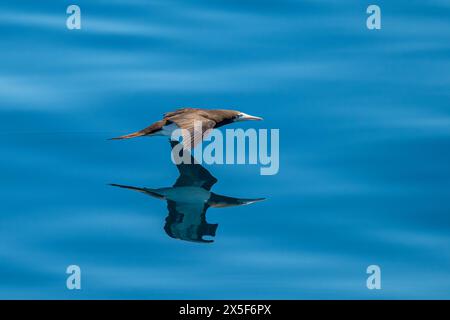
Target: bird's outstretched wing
[
  {"x": 193, "y": 174},
  {"x": 155, "y": 127},
  {"x": 147, "y": 191},
  {"x": 179, "y": 111},
  {"x": 195, "y": 127}
]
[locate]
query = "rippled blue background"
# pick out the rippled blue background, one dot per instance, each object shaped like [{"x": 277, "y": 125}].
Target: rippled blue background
[{"x": 364, "y": 121}]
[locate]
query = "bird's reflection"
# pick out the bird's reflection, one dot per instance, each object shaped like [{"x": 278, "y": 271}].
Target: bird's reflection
[{"x": 188, "y": 200}]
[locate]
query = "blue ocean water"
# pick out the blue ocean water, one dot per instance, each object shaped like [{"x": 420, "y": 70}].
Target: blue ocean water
[{"x": 364, "y": 125}]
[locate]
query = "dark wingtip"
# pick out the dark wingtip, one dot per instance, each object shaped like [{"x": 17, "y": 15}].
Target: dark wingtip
[
  {"x": 115, "y": 185},
  {"x": 119, "y": 185},
  {"x": 127, "y": 187}
]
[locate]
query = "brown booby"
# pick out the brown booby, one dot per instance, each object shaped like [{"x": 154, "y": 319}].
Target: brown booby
[
  {"x": 187, "y": 118},
  {"x": 188, "y": 200}
]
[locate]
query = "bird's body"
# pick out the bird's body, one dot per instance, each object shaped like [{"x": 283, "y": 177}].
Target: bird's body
[{"x": 189, "y": 119}]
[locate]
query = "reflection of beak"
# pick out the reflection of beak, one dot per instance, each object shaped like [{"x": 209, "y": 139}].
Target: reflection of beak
[
  {"x": 251, "y": 201},
  {"x": 246, "y": 117}
]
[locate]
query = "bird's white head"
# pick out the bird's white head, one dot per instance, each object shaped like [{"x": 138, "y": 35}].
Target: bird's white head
[{"x": 246, "y": 117}]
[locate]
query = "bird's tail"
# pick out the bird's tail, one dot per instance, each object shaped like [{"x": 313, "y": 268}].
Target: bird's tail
[{"x": 131, "y": 135}]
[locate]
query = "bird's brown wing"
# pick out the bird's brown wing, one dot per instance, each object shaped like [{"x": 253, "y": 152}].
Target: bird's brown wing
[
  {"x": 195, "y": 128},
  {"x": 179, "y": 111}
]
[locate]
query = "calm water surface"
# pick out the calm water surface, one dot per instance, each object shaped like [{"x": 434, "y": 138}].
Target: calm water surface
[{"x": 364, "y": 125}]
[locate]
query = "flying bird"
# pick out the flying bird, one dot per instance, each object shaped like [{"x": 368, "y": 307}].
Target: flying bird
[
  {"x": 188, "y": 200},
  {"x": 187, "y": 118}
]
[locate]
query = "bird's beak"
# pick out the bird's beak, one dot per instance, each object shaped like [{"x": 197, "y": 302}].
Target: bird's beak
[{"x": 245, "y": 117}]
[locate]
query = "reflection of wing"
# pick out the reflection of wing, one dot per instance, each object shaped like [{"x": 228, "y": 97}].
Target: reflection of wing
[
  {"x": 151, "y": 192},
  {"x": 187, "y": 221},
  {"x": 193, "y": 175}
]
